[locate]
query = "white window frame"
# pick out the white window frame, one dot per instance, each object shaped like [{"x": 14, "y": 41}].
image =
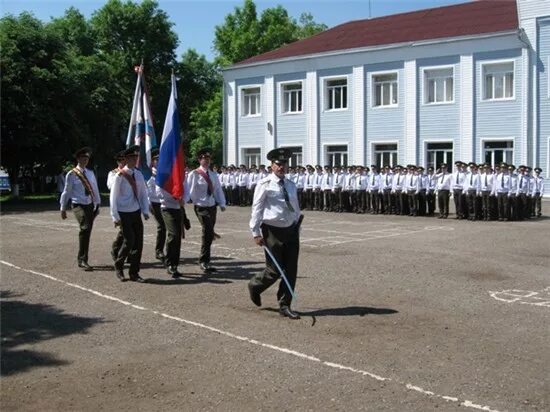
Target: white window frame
[
  {"x": 428, "y": 141},
  {"x": 242, "y": 90},
  {"x": 373, "y": 150},
  {"x": 326, "y": 152},
  {"x": 302, "y": 153},
  {"x": 425, "y": 85},
  {"x": 484, "y": 140},
  {"x": 373, "y": 89},
  {"x": 243, "y": 155},
  {"x": 324, "y": 82},
  {"x": 482, "y": 80},
  {"x": 282, "y": 97}
]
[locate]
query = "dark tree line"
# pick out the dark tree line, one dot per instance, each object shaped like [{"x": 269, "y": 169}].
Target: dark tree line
[{"x": 69, "y": 82}]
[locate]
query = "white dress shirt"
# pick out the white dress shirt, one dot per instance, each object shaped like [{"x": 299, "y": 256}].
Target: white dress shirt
[
  {"x": 270, "y": 207},
  {"x": 197, "y": 190},
  {"x": 122, "y": 196},
  {"x": 537, "y": 185},
  {"x": 152, "y": 188},
  {"x": 167, "y": 201},
  {"x": 472, "y": 183},
  {"x": 444, "y": 181},
  {"x": 486, "y": 182},
  {"x": 501, "y": 184},
  {"x": 75, "y": 191},
  {"x": 374, "y": 182}
]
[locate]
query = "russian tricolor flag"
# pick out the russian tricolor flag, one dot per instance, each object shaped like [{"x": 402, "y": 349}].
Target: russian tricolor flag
[
  {"x": 171, "y": 165},
  {"x": 141, "y": 131}
]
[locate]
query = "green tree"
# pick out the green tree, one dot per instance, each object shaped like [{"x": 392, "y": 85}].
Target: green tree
[
  {"x": 199, "y": 80},
  {"x": 127, "y": 33},
  {"x": 206, "y": 128},
  {"x": 36, "y": 120},
  {"x": 243, "y": 35}
]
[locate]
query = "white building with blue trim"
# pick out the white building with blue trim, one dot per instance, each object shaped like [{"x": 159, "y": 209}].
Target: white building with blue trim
[{"x": 467, "y": 82}]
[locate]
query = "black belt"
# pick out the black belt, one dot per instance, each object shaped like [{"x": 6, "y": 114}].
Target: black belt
[{"x": 81, "y": 205}]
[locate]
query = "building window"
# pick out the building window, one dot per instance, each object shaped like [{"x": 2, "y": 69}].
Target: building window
[
  {"x": 385, "y": 89},
  {"x": 251, "y": 102},
  {"x": 385, "y": 155},
  {"x": 498, "y": 81},
  {"x": 296, "y": 156},
  {"x": 292, "y": 98},
  {"x": 337, "y": 155},
  {"x": 437, "y": 153},
  {"x": 496, "y": 152},
  {"x": 438, "y": 86},
  {"x": 336, "y": 96},
  {"x": 252, "y": 156}
]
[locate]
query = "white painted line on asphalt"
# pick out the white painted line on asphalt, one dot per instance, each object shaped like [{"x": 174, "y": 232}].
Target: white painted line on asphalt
[
  {"x": 524, "y": 297},
  {"x": 301, "y": 355}
]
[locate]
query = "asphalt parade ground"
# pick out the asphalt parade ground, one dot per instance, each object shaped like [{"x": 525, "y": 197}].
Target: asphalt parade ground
[{"x": 398, "y": 314}]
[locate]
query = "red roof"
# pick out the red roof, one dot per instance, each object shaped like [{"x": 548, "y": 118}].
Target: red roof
[{"x": 476, "y": 17}]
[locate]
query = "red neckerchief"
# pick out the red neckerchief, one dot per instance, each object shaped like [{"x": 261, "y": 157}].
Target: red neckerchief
[
  {"x": 130, "y": 179},
  {"x": 85, "y": 182},
  {"x": 206, "y": 177}
]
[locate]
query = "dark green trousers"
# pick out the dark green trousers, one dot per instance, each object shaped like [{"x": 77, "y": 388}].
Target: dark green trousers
[
  {"x": 132, "y": 246},
  {"x": 207, "y": 219},
  {"x": 161, "y": 228},
  {"x": 172, "y": 221},
  {"x": 85, "y": 217},
  {"x": 284, "y": 243}
]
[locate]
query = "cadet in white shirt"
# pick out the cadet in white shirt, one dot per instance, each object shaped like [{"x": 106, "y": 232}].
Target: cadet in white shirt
[
  {"x": 501, "y": 187},
  {"x": 326, "y": 188},
  {"x": 242, "y": 183},
  {"x": 537, "y": 192},
  {"x": 81, "y": 189},
  {"x": 375, "y": 194},
  {"x": 430, "y": 191},
  {"x": 443, "y": 188},
  {"x": 205, "y": 193},
  {"x": 512, "y": 204},
  {"x": 486, "y": 189},
  {"x": 337, "y": 185},
  {"x": 457, "y": 188},
  {"x": 421, "y": 192},
  {"x": 472, "y": 191},
  {"x": 523, "y": 193},
  {"x": 410, "y": 187},
  {"x": 386, "y": 184},
  {"x": 120, "y": 159},
  {"x": 275, "y": 222},
  {"x": 128, "y": 202},
  {"x": 317, "y": 192},
  {"x": 155, "y": 202},
  {"x": 308, "y": 188}
]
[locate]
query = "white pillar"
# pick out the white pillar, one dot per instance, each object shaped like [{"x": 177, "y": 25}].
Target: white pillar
[
  {"x": 467, "y": 150},
  {"x": 231, "y": 110},
  {"x": 268, "y": 108},
  {"x": 410, "y": 84},
  {"x": 358, "y": 146},
  {"x": 523, "y": 142},
  {"x": 311, "y": 150}
]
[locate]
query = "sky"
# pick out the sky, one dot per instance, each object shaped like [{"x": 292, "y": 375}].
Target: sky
[{"x": 195, "y": 20}]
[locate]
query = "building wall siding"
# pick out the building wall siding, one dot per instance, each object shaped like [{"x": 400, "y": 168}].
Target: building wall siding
[
  {"x": 250, "y": 130},
  {"x": 335, "y": 126},
  {"x": 543, "y": 160},
  {"x": 430, "y": 124},
  {"x": 385, "y": 123},
  {"x": 291, "y": 128},
  {"x": 357, "y": 150},
  {"x": 499, "y": 119}
]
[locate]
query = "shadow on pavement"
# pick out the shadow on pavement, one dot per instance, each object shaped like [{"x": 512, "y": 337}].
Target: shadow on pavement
[
  {"x": 345, "y": 311},
  {"x": 24, "y": 323}
]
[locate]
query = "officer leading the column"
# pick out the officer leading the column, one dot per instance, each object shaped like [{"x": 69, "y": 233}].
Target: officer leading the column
[{"x": 275, "y": 223}]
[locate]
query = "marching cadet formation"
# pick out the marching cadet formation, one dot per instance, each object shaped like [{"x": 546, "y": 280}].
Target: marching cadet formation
[
  {"x": 277, "y": 194},
  {"x": 479, "y": 192}
]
